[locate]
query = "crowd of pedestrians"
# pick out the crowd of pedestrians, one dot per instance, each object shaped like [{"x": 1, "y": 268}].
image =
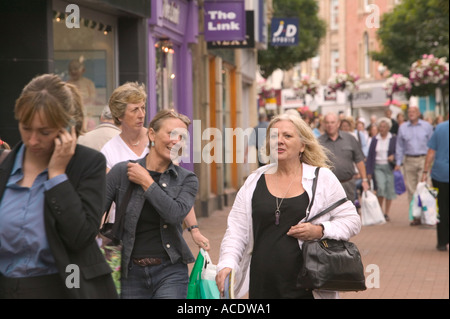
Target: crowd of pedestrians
[{"x": 57, "y": 183}]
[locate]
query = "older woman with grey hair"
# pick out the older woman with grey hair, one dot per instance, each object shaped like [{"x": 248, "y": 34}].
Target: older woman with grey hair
[{"x": 380, "y": 162}]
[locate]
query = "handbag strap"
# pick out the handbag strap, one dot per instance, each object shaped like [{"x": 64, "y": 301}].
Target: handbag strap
[
  {"x": 314, "y": 186},
  {"x": 120, "y": 213},
  {"x": 123, "y": 205},
  {"x": 330, "y": 208}
]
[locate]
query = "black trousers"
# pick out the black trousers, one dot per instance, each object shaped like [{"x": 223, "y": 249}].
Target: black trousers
[
  {"x": 40, "y": 287},
  {"x": 443, "y": 199}
]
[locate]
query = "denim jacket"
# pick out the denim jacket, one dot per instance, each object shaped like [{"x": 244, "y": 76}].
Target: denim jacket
[{"x": 173, "y": 198}]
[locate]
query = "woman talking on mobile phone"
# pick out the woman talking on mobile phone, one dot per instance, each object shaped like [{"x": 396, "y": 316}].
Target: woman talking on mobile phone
[{"x": 52, "y": 193}]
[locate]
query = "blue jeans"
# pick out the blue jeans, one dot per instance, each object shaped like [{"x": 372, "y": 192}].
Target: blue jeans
[{"x": 165, "y": 281}]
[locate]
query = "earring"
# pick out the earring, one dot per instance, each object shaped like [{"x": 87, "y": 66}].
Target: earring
[{"x": 152, "y": 144}]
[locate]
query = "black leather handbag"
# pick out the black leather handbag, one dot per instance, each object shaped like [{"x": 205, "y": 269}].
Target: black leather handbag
[{"x": 330, "y": 264}]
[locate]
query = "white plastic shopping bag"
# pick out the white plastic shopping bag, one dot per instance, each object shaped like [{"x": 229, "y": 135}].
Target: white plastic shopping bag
[
  {"x": 424, "y": 204},
  {"x": 371, "y": 213},
  {"x": 202, "y": 281}
]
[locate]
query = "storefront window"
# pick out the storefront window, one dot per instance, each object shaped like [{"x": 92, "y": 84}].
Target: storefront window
[
  {"x": 85, "y": 56},
  {"x": 165, "y": 75}
]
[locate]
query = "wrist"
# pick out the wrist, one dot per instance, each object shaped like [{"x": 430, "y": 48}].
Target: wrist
[
  {"x": 190, "y": 228},
  {"x": 321, "y": 230},
  {"x": 425, "y": 172},
  {"x": 365, "y": 180}
]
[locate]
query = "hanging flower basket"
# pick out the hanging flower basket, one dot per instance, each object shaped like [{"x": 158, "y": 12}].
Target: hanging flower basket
[
  {"x": 429, "y": 69},
  {"x": 397, "y": 83},
  {"x": 307, "y": 85},
  {"x": 428, "y": 73},
  {"x": 342, "y": 80}
]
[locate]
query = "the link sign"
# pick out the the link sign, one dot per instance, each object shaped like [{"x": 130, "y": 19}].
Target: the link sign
[{"x": 224, "y": 20}]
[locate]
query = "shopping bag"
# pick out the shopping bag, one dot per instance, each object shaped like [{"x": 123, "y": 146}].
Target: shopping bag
[
  {"x": 113, "y": 255},
  {"x": 371, "y": 213},
  {"x": 399, "y": 183},
  {"x": 415, "y": 207},
  {"x": 425, "y": 205},
  {"x": 202, "y": 281}
]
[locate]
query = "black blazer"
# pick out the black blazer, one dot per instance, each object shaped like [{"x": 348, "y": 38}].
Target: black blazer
[{"x": 72, "y": 213}]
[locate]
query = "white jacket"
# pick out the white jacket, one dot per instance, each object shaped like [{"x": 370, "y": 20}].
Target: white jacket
[{"x": 237, "y": 245}]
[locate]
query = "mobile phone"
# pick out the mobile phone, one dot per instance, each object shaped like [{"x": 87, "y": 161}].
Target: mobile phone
[{"x": 70, "y": 125}]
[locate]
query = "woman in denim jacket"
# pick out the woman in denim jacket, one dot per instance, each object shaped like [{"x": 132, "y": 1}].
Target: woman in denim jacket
[{"x": 155, "y": 255}]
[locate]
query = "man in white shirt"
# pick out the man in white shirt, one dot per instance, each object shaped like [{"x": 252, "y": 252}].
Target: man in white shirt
[{"x": 101, "y": 134}]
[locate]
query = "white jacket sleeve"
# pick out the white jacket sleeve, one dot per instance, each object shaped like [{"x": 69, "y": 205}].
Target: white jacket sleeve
[
  {"x": 342, "y": 222},
  {"x": 236, "y": 238}
]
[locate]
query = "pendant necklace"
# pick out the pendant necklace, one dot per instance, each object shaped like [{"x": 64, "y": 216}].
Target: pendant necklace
[{"x": 277, "y": 211}]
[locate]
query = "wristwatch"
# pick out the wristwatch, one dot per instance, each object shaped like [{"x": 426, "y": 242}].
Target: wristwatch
[{"x": 192, "y": 227}]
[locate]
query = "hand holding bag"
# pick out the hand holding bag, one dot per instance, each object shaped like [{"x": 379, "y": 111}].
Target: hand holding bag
[
  {"x": 202, "y": 281},
  {"x": 330, "y": 264}
]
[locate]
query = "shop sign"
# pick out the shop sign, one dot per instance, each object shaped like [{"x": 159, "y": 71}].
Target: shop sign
[
  {"x": 224, "y": 20},
  {"x": 290, "y": 99},
  {"x": 249, "y": 41},
  {"x": 284, "y": 31},
  {"x": 171, "y": 11},
  {"x": 369, "y": 96}
]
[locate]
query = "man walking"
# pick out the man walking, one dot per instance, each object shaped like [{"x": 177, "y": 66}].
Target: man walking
[
  {"x": 101, "y": 134},
  {"x": 411, "y": 149},
  {"x": 438, "y": 158},
  {"x": 347, "y": 153}
]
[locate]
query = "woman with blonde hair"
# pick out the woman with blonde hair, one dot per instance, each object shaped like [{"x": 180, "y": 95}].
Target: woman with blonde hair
[
  {"x": 265, "y": 230},
  {"x": 155, "y": 254},
  {"x": 128, "y": 108}
]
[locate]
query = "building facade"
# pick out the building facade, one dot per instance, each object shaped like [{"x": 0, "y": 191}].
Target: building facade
[
  {"x": 225, "y": 101},
  {"x": 101, "y": 39},
  {"x": 172, "y": 31}
]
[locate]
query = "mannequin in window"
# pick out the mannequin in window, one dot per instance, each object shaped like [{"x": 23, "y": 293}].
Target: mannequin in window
[{"x": 84, "y": 85}]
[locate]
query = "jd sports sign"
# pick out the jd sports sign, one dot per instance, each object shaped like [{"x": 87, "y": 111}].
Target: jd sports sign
[{"x": 284, "y": 32}]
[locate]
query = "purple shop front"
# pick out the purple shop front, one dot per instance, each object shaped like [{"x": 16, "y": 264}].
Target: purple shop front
[{"x": 173, "y": 26}]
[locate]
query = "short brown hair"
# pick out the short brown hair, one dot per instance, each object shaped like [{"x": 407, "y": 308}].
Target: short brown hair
[
  {"x": 59, "y": 101},
  {"x": 130, "y": 92}
]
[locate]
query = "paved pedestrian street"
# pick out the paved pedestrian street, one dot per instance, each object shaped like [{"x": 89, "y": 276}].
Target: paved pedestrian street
[{"x": 401, "y": 261}]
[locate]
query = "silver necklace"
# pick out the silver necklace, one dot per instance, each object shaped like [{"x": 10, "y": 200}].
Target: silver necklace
[
  {"x": 136, "y": 144},
  {"x": 277, "y": 211}
]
